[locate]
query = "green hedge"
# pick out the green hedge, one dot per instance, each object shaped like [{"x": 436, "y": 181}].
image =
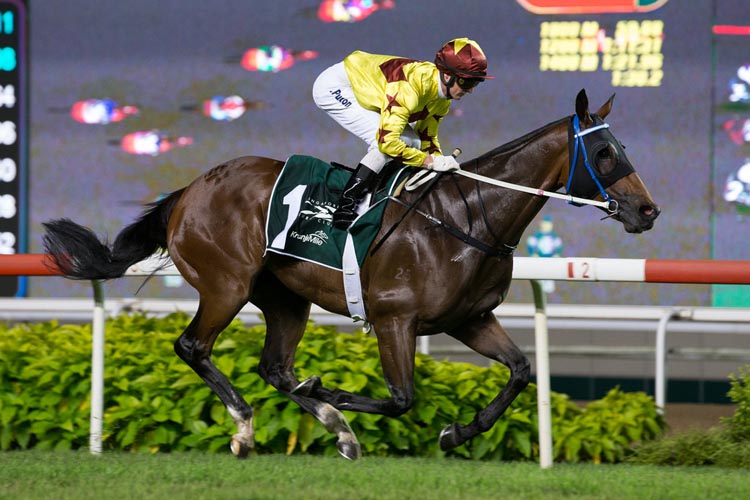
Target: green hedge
[
  {"x": 726, "y": 445},
  {"x": 739, "y": 423},
  {"x": 154, "y": 401}
]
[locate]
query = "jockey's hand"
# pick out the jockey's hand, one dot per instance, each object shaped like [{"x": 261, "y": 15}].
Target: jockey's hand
[{"x": 442, "y": 163}]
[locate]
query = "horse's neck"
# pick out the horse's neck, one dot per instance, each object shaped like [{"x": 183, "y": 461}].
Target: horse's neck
[{"x": 541, "y": 162}]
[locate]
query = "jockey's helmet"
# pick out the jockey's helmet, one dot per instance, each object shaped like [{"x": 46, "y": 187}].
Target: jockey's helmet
[{"x": 462, "y": 58}]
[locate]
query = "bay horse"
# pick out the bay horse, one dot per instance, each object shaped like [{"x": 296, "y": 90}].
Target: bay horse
[{"x": 421, "y": 281}]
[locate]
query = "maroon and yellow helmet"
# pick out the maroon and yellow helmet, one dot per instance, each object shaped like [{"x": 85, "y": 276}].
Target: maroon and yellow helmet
[{"x": 463, "y": 58}]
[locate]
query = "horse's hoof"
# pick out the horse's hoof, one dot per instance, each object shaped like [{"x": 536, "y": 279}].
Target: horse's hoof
[
  {"x": 239, "y": 449},
  {"x": 449, "y": 437},
  {"x": 306, "y": 387},
  {"x": 349, "y": 450}
]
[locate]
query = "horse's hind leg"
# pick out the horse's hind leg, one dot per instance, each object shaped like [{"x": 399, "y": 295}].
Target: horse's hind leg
[
  {"x": 485, "y": 336},
  {"x": 194, "y": 346},
  {"x": 286, "y": 315},
  {"x": 397, "y": 347}
]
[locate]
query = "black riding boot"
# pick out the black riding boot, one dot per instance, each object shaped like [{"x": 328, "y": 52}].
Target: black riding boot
[{"x": 357, "y": 187}]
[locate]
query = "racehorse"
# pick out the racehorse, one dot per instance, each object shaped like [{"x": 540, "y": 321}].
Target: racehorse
[{"x": 420, "y": 281}]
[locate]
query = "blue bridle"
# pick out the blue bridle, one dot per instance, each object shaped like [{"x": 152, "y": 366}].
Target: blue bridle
[{"x": 622, "y": 168}]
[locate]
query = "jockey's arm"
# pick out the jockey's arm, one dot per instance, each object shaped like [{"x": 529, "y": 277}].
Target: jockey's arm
[{"x": 400, "y": 102}]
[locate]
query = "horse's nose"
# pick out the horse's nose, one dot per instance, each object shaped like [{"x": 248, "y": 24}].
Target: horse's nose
[{"x": 649, "y": 212}]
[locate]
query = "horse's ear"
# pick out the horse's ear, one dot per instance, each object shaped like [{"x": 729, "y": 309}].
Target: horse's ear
[
  {"x": 606, "y": 108},
  {"x": 582, "y": 106}
]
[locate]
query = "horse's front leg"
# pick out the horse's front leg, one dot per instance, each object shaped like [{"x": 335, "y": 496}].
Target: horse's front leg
[
  {"x": 397, "y": 346},
  {"x": 485, "y": 336}
]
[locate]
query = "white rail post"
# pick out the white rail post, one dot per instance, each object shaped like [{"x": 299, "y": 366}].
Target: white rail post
[
  {"x": 542, "y": 376},
  {"x": 660, "y": 375},
  {"x": 424, "y": 345},
  {"x": 97, "y": 371}
]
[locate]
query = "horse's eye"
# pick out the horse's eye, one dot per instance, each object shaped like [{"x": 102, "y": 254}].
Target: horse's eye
[{"x": 605, "y": 159}]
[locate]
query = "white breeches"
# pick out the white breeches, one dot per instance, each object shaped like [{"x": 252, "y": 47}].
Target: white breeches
[{"x": 332, "y": 92}]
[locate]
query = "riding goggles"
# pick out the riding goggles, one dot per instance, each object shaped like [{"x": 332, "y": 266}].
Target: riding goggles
[{"x": 468, "y": 83}]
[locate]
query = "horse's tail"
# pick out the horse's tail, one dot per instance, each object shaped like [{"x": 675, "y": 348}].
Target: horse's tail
[{"x": 79, "y": 254}]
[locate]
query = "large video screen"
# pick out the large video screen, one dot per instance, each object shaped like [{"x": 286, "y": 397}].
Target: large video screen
[{"x": 132, "y": 100}]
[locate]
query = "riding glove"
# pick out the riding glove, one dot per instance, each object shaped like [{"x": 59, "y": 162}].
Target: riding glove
[{"x": 442, "y": 163}]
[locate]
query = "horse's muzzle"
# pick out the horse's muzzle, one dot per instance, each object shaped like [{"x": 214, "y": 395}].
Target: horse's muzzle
[{"x": 637, "y": 215}]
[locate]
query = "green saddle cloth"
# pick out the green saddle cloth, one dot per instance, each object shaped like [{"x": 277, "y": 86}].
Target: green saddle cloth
[{"x": 303, "y": 201}]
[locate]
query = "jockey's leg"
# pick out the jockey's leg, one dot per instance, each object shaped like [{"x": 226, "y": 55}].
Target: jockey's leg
[
  {"x": 333, "y": 93},
  {"x": 360, "y": 183}
]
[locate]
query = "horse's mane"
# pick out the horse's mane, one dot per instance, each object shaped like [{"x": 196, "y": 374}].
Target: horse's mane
[{"x": 515, "y": 143}]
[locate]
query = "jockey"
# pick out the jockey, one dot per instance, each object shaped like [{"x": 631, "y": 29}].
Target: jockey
[
  {"x": 395, "y": 105},
  {"x": 101, "y": 111}
]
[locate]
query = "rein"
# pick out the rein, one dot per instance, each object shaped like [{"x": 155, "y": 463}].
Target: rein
[
  {"x": 507, "y": 250},
  {"x": 610, "y": 205}
]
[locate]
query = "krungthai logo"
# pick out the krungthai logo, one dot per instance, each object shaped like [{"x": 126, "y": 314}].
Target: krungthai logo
[{"x": 318, "y": 238}]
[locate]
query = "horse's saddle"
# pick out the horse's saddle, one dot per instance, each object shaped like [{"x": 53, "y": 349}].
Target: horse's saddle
[{"x": 303, "y": 201}]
